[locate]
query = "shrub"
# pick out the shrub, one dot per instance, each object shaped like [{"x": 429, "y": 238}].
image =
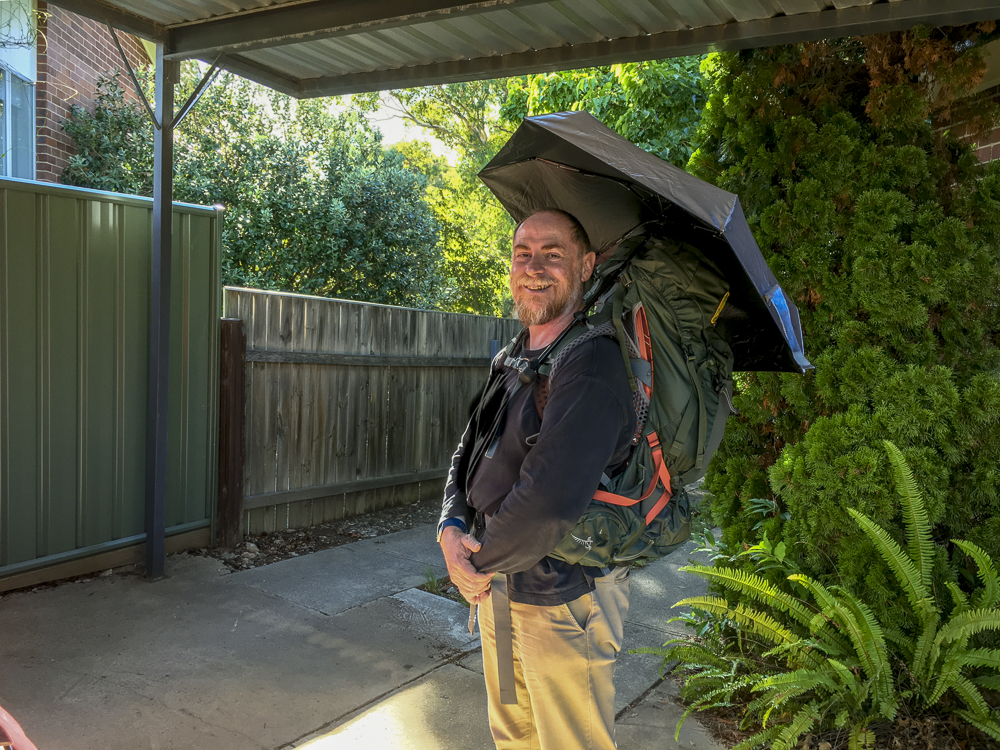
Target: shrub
[
  {"x": 314, "y": 203},
  {"x": 824, "y": 661},
  {"x": 882, "y": 224}
]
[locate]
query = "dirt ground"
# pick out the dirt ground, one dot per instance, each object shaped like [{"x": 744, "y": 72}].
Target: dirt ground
[{"x": 263, "y": 549}]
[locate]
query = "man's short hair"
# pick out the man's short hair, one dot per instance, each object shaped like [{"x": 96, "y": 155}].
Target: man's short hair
[{"x": 577, "y": 233}]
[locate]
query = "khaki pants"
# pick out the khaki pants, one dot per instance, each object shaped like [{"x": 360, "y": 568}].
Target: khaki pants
[{"x": 564, "y": 664}]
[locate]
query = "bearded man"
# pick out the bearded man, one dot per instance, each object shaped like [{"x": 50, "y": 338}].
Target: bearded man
[{"x": 550, "y": 629}]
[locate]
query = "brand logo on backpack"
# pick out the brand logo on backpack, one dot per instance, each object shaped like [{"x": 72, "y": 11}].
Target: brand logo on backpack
[{"x": 587, "y": 543}]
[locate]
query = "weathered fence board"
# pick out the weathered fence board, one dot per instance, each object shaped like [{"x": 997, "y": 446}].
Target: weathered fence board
[{"x": 352, "y": 407}]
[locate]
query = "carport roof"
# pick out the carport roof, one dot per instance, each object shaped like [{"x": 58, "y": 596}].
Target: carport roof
[{"x": 325, "y": 47}]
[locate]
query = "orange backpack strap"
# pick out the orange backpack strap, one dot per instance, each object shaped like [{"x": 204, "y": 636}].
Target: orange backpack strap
[{"x": 661, "y": 473}]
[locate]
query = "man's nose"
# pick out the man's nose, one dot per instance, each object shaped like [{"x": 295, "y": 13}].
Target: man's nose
[{"x": 535, "y": 265}]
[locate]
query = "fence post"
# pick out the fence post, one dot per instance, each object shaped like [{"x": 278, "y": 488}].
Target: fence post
[{"x": 232, "y": 374}]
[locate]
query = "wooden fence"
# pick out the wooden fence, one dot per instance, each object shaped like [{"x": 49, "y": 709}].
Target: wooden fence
[{"x": 351, "y": 407}]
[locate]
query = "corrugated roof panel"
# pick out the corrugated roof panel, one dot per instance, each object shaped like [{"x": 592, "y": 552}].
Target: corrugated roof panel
[
  {"x": 695, "y": 13},
  {"x": 557, "y": 25},
  {"x": 174, "y": 12},
  {"x": 612, "y": 17},
  {"x": 655, "y": 15},
  {"x": 498, "y": 36},
  {"x": 795, "y": 7},
  {"x": 748, "y": 10},
  {"x": 535, "y": 30},
  {"x": 454, "y": 31}
]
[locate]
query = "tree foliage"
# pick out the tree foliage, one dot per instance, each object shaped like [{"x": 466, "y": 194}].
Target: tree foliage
[
  {"x": 654, "y": 104},
  {"x": 314, "y": 203},
  {"x": 880, "y": 222},
  {"x": 476, "y": 230}
]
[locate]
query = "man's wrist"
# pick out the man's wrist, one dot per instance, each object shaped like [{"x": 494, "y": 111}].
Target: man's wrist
[{"x": 456, "y": 522}]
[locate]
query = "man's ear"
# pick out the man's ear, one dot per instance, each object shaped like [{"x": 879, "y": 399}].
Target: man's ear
[{"x": 588, "y": 265}]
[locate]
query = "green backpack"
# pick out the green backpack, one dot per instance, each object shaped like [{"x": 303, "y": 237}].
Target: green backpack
[{"x": 664, "y": 310}]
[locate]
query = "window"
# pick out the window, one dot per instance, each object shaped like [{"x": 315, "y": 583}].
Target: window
[{"x": 17, "y": 126}]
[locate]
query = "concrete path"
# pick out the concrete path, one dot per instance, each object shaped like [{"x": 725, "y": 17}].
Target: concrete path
[{"x": 332, "y": 650}]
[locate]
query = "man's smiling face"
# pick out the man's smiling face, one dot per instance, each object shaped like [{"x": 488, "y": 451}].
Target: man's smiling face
[{"x": 547, "y": 269}]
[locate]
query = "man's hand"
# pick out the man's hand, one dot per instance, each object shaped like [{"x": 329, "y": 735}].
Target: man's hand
[{"x": 458, "y": 548}]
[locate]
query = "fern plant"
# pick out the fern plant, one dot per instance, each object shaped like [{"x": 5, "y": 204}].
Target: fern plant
[{"x": 821, "y": 660}]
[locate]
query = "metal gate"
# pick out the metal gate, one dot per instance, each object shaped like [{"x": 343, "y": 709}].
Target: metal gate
[{"x": 74, "y": 358}]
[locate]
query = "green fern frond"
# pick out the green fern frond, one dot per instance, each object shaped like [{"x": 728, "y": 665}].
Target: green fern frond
[
  {"x": 861, "y": 737},
  {"x": 967, "y": 624},
  {"x": 755, "y": 587},
  {"x": 925, "y": 652},
  {"x": 988, "y": 681},
  {"x": 758, "y": 739},
  {"x": 801, "y": 723},
  {"x": 918, "y": 525},
  {"x": 990, "y": 726},
  {"x": 798, "y": 679},
  {"x": 762, "y": 624},
  {"x": 689, "y": 654},
  {"x": 987, "y": 572},
  {"x": 958, "y": 597},
  {"x": 903, "y": 567},
  {"x": 902, "y": 642},
  {"x": 948, "y": 675},
  {"x": 982, "y": 657},
  {"x": 848, "y": 679},
  {"x": 874, "y": 643},
  {"x": 971, "y": 696},
  {"x": 864, "y": 647}
]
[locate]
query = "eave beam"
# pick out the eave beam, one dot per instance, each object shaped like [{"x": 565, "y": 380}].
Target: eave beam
[
  {"x": 115, "y": 16},
  {"x": 320, "y": 19}
]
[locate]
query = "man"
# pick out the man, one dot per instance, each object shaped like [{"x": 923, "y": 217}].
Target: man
[{"x": 528, "y": 492}]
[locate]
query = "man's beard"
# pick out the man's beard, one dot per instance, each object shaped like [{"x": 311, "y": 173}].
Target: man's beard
[{"x": 534, "y": 315}]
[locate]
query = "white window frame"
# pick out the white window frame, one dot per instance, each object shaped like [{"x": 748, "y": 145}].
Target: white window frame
[{"x": 7, "y": 157}]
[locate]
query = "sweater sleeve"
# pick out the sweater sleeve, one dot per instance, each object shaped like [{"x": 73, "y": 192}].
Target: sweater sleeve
[
  {"x": 588, "y": 421},
  {"x": 455, "y": 504}
]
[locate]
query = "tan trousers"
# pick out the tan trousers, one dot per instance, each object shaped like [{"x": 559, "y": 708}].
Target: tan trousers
[{"x": 564, "y": 664}]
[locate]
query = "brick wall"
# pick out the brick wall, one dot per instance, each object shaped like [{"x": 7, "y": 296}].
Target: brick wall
[{"x": 72, "y": 52}]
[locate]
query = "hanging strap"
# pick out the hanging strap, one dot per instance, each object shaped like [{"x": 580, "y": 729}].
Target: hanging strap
[
  {"x": 617, "y": 310},
  {"x": 504, "y": 637},
  {"x": 718, "y": 430},
  {"x": 694, "y": 407}
]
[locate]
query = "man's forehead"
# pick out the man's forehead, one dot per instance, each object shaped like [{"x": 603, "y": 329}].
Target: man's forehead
[{"x": 550, "y": 228}]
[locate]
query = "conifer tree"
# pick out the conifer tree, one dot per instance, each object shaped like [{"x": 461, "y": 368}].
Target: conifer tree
[{"x": 854, "y": 160}]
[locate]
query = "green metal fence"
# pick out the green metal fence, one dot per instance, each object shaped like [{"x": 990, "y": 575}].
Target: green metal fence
[{"x": 74, "y": 358}]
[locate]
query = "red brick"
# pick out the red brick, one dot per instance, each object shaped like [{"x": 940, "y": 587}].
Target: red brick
[{"x": 72, "y": 53}]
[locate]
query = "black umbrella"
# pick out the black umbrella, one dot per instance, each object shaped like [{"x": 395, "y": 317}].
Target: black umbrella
[{"x": 571, "y": 161}]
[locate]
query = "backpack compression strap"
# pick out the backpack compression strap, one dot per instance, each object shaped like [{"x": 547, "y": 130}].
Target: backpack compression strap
[{"x": 661, "y": 473}]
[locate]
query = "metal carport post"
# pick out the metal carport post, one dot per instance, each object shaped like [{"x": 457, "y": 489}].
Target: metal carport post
[{"x": 167, "y": 76}]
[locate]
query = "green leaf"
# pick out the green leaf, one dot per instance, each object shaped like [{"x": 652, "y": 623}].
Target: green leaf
[
  {"x": 914, "y": 515},
  {"x": 907, "y": 573},
  {"x": 990, "y": 594}
]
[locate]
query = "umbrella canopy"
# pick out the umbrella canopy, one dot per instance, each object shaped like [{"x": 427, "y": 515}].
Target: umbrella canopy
[{"x": 571, "y": 161}]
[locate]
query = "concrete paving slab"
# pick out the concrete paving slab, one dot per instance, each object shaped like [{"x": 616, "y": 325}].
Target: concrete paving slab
[
  {"x": 658, "y": 585},
  {"x": 337, "y": 579},
  {"x": 443, "y": 710},
  {"x": 196, "y": 661},
  {"x": 651, "y": 725},
  {"x": 635, "y": 673},
  {"x": 418, "y": 544},
  {"x": 446, "y": 619}
]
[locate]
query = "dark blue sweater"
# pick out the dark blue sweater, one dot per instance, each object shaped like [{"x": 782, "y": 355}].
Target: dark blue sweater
[{"x": 544, "y": 472}]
